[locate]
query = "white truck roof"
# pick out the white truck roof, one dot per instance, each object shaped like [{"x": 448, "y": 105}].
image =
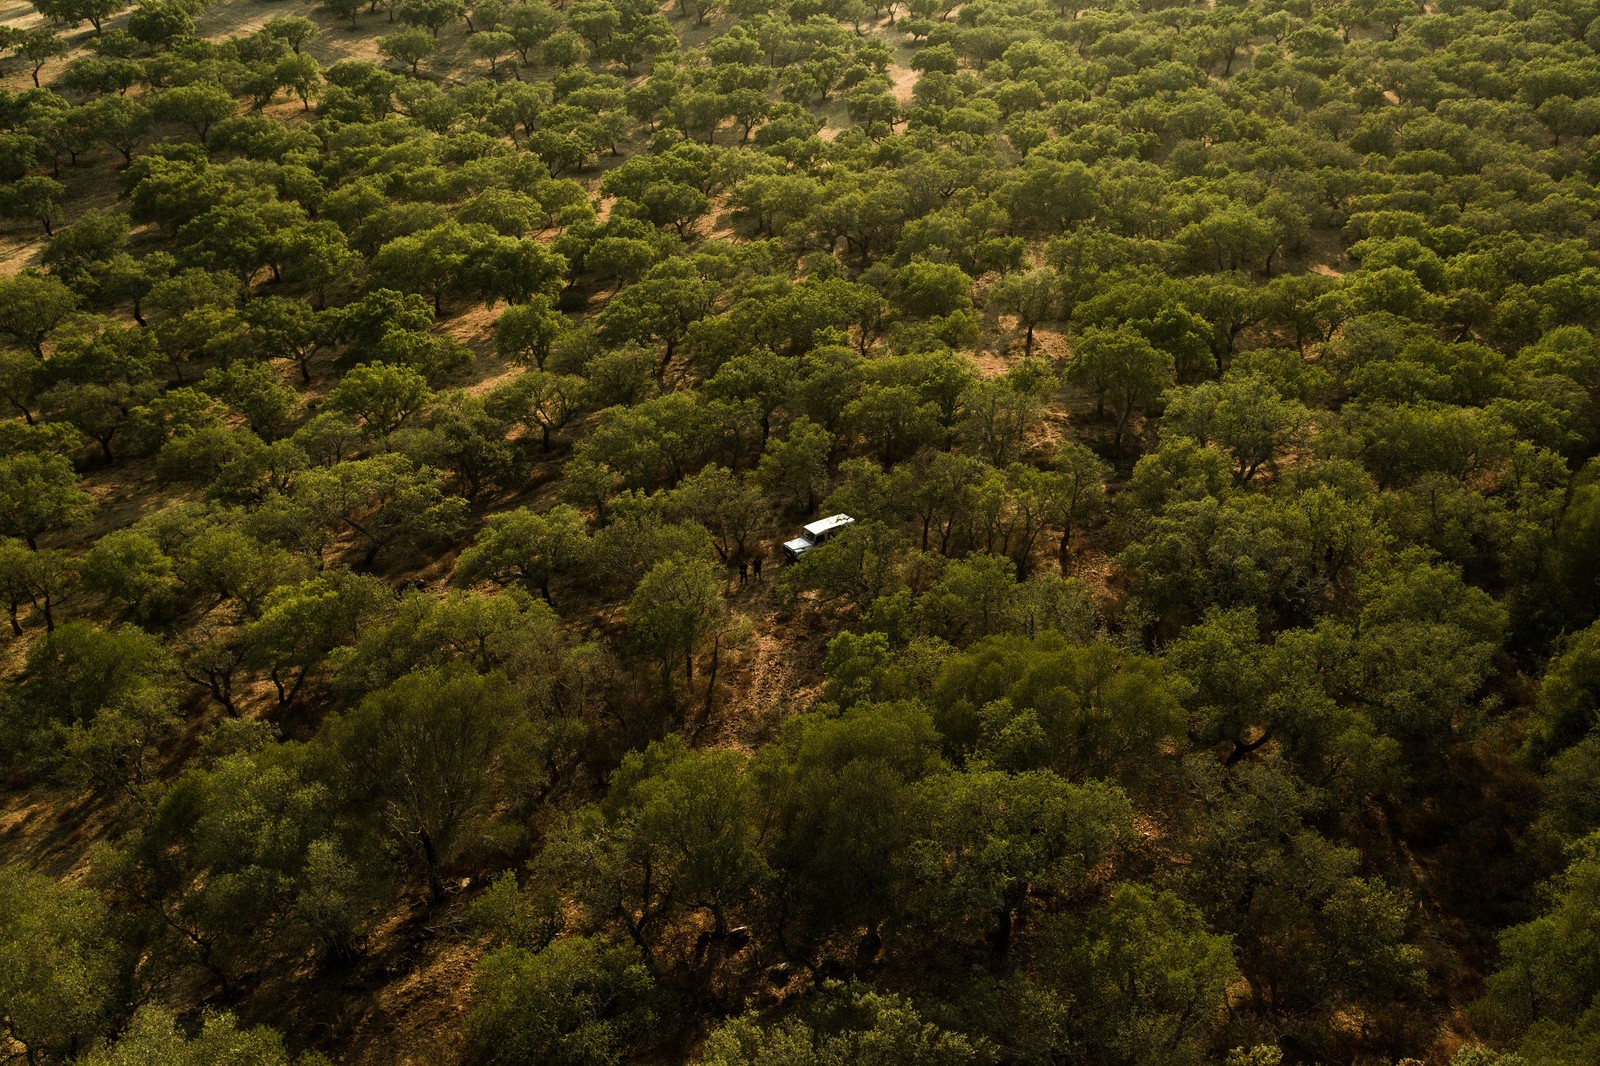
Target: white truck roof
[{"x": 827, "y": 525}]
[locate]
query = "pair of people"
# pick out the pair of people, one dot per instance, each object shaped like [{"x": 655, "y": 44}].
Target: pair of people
[{"x": 746, "y": 568}]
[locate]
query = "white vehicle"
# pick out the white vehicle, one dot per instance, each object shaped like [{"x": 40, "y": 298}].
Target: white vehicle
[{"x": 816, "y": 533}]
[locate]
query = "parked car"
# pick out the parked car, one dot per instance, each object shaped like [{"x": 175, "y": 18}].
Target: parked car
[{"x": 815, "y": 533}]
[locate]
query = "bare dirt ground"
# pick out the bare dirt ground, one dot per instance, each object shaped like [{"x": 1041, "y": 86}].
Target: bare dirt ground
[
  {"x": 20, "y": 15},
  {"x": 417, "y": 1019},
  {"x": 772, "y": 669},
  {"x": 336, "y": 38},
  {"x": 51, "y": 829},
  {"x": 221, "y": 21},
  {"x": 901, "y": 77},
  {"x": 14, "y": 73}
]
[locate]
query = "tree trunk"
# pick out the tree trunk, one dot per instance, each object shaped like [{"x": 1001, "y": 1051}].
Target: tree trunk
[
  {"x": 203, "y": 946},
  {"x": 431, "y": 857},
  {"x": 222, "y": 692},
  {"x": 1241, "y": 749},
  {"x": 666, "y": 685},
  {"x": 220, "y": 687},
  {"x": 1002, "y": 932},
  {"x": 711, "y": 692},
  {"x": 286, "y": 696}
]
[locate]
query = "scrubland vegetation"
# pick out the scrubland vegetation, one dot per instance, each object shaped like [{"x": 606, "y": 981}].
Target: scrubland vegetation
[{"x": 395, "y": 393}]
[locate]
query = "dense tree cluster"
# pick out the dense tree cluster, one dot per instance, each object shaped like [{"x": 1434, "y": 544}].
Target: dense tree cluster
[{"x": 1212, "y": 671}]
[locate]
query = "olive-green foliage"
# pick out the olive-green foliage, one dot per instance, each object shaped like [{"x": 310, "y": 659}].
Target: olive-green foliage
[
  {"x": 1137, "y": 979},
  {"x": 677, "y": 835},
  {"x": 527, "y": 547},
  {"x": 422, "y": 761},
  {"x": 1084, "y": 710},
  {"x": 40, "y": 494},
  {"x": 990, "y": 844},
  {"x": 850, "y": 1024},
  {"x": 97, "y": 703},
  {"x": 577, "y": 1002},
  {"x": 61, "y": 969},
  {"x": 244, "y": 864},
  {"x": 1215, "y": 389},
  {"x": 1543, "y": 996},
  {"x": 154, "y": 1037}
]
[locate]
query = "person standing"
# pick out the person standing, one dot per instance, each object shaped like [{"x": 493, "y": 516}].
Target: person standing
[
  {"x": 744, "y": 571},
  {"x": 756, "y": 566}
]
